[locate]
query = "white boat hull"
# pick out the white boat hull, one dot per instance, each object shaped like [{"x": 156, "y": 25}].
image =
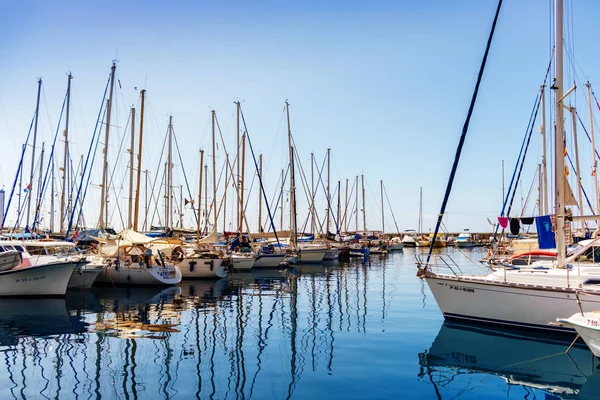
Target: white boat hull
[
  {"x": 518, "y": 305},
  {"x": 202, "y": 268},
  {"x": 44, "y": 280},
  {"x": 307, "y": 255},
  {"x": 464, "y": 245},
  {"x": 588, "y": 327},
  {"x": 242, "y": 263},
  {"x": 268, "y": 260},
  {"x": 396, "y": 246},
  {"x": 85, "y": 276},
  {"x": 331, "y": 254},
  {"x": 135, "y": 274}
]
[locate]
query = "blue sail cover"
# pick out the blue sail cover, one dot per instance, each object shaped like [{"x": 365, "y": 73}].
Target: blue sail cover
[{"x": 546, "y": 238}]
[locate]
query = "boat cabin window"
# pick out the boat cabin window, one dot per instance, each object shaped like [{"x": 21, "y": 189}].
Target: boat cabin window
[
  {"x": 592, "y": 254},
  {"x": 19, "y": 248},
  {"x": 57, "y": 250},
  {"x": 37, "y": 251},
  {"x": 592, "y": 281}
]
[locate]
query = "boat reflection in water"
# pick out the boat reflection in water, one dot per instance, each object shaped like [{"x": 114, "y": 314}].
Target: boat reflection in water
[
  {"x": 532, "y": 364},
  {"x": 253, "y": 334},
  {"x": 22, "y": 318}
]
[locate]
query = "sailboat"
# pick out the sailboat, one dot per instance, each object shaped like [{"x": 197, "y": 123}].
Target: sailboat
[
  {"x": 84, "y": 276},
  {"x": 306, "y": 253},
  {"x": 530, "y": 297}
]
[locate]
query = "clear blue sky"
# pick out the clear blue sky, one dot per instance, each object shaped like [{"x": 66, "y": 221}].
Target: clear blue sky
[{"x": 386, "y": 85}]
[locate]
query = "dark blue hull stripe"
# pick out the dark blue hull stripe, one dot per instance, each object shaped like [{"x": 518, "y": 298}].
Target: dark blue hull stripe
[{"x": 492, "y": 321}]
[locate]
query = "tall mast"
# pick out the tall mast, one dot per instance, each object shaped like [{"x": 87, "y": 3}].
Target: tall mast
[
  {"x": 292, "y": 189},
  {"x": 206, "y": 197},
  {"x": 181, "y": 206},
  {"x": 52, "y": 198},
  {"x": 595, "y": 160},
  {"x": 540, "y": 189},
  {"x": 339, "y": 212},
  {"x": 225, "y": 192},
  {"x": 544, "y": 187},
  {"x": 346, "y": 209},
  {"x": 147, "y": 206},
  {"x": 382, "y": 210},
  {"x": 39, "y": 195},
  {"x": 362, "y": 177},
  {"x": 166, "y": 195},
  {"x": 169, "y": 220},
  {"x": 328, "y": 190},
  {"x": 30, "y": 183},
  {"x": 139, "y": 165},
  {"x": 579, "y": 188},
  {"x": 559, "y": 174},
  {"x": 260, "y": 194},
  {"x": 65, "y": 157},
  {"x": 200, "y": 192},
  {"x": 281, "y": 203},
  {"x": 104, "y": 195},
  {"x": 356, "y": 202},
  {"x": 131, "y": 153},
  {"x": 241, "y": 215},
  {"x": 421, "y": 210},
  {"x": 214, "y": 201},
  {"x": 312, "y": 193},
  {"x": 240, "y": 204}
]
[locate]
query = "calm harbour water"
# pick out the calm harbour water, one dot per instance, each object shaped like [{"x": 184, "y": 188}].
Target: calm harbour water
[{"x": 364, "y": 329}]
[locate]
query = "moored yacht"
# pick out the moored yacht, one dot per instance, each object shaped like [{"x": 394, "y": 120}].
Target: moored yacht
[
  {"x": 310, "y": 253},
  {"x": 83, "y": 276},
  {"x": 242, "y": 261},
  {"x": 134, "y": 265},
  {"x": 465, "y": 240},
  {"x": 40, "y": 275},
  {"x": 410, "y": 238}
]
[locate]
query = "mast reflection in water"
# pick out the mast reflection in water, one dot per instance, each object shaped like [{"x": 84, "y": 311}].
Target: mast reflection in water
[
  {"x": 364, "y": 329},
  {"x": 253, "y": 335}
]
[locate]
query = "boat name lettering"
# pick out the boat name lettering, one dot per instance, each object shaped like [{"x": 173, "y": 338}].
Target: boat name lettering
[
  {"x": 462, "y": 289},
  {"x": 593, "y": 322},
  {"x": 461, "y": 357},
  {"x": 31, "y": 279}
]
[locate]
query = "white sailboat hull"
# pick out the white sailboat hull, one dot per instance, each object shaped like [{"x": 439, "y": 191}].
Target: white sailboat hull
[
  {"x": 588, "y": 327},
  {"x": 268, "y": 260},
  {"x": 509, "y": 304},
  {"x": 135, "y": 274},
  {"x": 84, "y": 277},
  {"x": 311, "y": 255},
  {"x": 242, "y": 263},
  {"x": 39, "y": 280},
  {"x": 396, "y": 246},
  {"x": 202, "y": 268},
  {"x": 331, "y": 254}
]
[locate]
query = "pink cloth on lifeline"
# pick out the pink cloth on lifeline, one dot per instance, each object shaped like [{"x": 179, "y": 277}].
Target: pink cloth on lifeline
[{"x": 503, "y": 221}]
